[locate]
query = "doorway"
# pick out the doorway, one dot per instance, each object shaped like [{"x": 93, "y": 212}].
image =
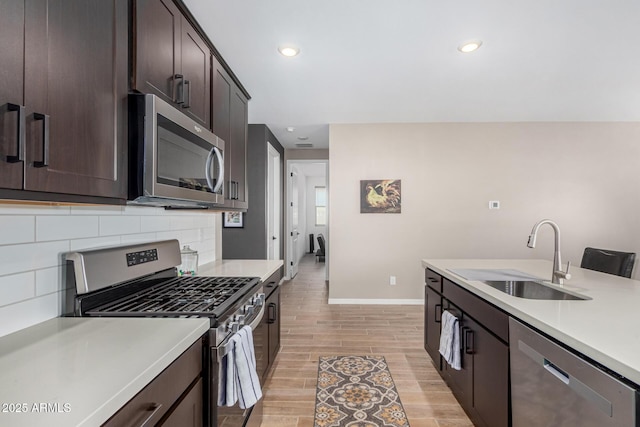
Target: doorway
[
  {"x": 274, "y": 203},
  {"x": 307, "y": 212}
]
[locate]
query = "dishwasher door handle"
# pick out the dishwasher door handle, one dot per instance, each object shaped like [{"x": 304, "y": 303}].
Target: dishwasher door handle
[{"x": 556, "y": 372}]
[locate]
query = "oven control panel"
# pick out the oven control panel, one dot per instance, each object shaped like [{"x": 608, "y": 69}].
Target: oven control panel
[{"x": 141, "y": 257}]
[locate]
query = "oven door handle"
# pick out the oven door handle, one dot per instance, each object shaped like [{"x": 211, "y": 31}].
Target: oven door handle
[{"x": 225, "y": 347}]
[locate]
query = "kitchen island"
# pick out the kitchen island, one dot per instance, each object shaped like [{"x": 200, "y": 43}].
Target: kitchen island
[
  {"x": 81, "y": 371},
  {"x": 564, "y": 355},
  {"x": 602, "y": 328}
]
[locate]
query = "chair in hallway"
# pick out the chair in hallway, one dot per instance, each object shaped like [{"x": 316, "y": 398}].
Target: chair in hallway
[
  {"x": 606, "y": 261},
  {"x": 320, "y": 251}
]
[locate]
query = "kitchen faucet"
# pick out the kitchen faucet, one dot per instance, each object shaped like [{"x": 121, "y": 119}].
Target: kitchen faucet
[{"x": 558, "y": 275}]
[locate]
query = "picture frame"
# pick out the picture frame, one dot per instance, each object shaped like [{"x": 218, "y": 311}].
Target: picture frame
[
  {"x": 380, "y": 196},
  {"x": 232, "y": 220}
]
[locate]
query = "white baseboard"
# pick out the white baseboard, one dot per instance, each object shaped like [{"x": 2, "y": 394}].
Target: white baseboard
[{"x": 376, "y": 301}]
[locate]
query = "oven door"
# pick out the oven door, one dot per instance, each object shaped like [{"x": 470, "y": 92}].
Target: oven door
[{"x": 234, "y": 416}]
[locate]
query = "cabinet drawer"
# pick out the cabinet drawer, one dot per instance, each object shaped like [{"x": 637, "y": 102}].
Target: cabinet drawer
[
  {"x": 433, "y": 279},
  {"x": 489, "y": 316},
  {"x": 271, "y": 284},
  {"x": 154, "y": 401}
]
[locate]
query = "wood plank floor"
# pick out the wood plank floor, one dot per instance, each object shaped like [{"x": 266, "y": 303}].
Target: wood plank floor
[{"x": 311, "y": 328}]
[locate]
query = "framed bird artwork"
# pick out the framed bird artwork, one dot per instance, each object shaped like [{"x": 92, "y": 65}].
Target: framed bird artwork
[{"x": 380, "y": 196}]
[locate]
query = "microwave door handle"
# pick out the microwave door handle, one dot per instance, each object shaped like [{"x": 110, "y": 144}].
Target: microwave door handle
[
  {"x": 218, "y": 155},
  {"x": 220, "y": 159}
]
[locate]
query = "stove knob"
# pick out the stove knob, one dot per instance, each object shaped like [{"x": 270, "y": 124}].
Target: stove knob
[
  {"x": 249, "y": 309},
  {"x": 240, "y": 318},
  {"x": 233, "y": 327}
]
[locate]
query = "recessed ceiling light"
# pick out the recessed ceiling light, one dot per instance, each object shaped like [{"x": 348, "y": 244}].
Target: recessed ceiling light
[
  {"x": 290, "y": 129},
  {"x": 470, "y": 46},
  {"x": 303, "y": 138},
  {"x": 289, "y": 50}
]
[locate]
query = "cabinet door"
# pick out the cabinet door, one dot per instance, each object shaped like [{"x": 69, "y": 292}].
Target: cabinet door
[
  {"x": 76, "y": 96},
  {"x": 239, "y": 112},
  {"x": 221, "y": 112},
  {"x": 460, "y": 381},
  {"x": 490, "y": 374},
  {"x": 261, "y": 346},
  {"x": 11, "y": 92},
  {"x": 432, "y": 324},
  {"x": 196, "y": 69},
  {"x": 157, "y": 41},
  {"x": 189, "y": 411},
  {"x": 273, "y": 320}
]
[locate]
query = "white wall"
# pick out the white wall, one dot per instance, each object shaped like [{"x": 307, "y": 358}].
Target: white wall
[
  {"x": 33, "y": 238},
  {"x": 312, "y": 183},
  {"x": 585, "y": 176}
]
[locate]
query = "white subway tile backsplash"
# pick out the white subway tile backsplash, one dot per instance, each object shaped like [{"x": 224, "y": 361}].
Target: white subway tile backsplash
[
  {"x": 155, "y": 223},
  {"x": 49, "y": 280},
  {"x": 17, "y": 229},
  {"x": 139, "y": 238},
  {"x": 29, "y": 312},
  {"x": 66, "y": 227},
  {"x": 182, "y": 222},
  {"x": 17, "y": 287},
  {"x": 112, "y": 225},
  {"x": 31, "y": 256},
  {"x": 96, "y": 242},
  {"x": 96, "y": 210}
]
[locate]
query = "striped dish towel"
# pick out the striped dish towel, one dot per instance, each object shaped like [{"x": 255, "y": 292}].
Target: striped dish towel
[{"x": 450, "y": 340}]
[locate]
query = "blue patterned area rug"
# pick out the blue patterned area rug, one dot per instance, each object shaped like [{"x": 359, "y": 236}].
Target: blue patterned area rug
[{"x": 357, "y": 391}]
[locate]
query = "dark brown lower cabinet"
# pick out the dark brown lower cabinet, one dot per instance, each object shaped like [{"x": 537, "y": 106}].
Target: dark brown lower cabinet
[
  {"x": 188, "y": 412},
  {"x": 173, "y": 398},
  {"x": 482, "y": 385},
  {"x": 432, "y": 316},
  {"x": 273, "y": 322}
]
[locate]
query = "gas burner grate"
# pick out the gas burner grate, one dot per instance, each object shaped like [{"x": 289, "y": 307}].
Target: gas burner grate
[{"x": 181, "y": 296}]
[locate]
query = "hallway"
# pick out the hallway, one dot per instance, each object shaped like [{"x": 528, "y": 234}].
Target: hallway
[{"x": 311, "y": 328}]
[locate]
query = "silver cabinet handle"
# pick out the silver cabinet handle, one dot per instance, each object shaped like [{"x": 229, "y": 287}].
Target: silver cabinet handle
[{"x": 155, "y": 407}]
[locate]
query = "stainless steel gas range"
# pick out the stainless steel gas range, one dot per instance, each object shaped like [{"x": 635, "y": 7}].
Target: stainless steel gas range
[{"x": 140, "y": 280}]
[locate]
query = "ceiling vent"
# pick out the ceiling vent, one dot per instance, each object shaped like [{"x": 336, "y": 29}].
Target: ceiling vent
[{"x": 305, "y": 145}]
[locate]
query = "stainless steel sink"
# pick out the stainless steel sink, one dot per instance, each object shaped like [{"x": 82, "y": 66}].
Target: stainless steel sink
[{"x": 532, "y": 290}]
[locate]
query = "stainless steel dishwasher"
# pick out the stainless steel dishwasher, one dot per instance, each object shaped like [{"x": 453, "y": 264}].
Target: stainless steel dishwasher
[{"x": 551, "y": 386}]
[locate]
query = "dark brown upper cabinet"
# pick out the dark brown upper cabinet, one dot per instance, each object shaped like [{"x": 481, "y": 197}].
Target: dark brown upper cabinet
[
  {"x": 171, "y": 59},
  {"x": 230, "y": 116},
  {"x": 63, "y": 94}
]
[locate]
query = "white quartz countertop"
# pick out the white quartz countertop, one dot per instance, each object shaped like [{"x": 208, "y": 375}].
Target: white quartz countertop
[
  {"x": 605, "y": 328},
  {"x": 80, "y": 371},
  {"x": 262, "y": 268}
]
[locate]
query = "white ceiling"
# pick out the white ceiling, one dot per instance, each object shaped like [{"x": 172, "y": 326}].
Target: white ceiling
[{"x": 366, "y": 61}]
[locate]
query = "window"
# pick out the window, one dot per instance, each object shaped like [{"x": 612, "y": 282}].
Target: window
[{"x": 321, "y": 206}]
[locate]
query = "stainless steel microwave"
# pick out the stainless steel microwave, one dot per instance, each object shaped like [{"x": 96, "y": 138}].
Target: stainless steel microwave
[{"x": 173, "y": 161}]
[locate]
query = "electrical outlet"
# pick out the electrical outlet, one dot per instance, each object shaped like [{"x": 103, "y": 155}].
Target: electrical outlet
[
  {"x": 494, "y": 204},
  {"x": 392, "y": 280}
]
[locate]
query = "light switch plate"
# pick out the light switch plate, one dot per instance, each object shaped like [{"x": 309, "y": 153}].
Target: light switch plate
[{"x": 494, "y": 204}]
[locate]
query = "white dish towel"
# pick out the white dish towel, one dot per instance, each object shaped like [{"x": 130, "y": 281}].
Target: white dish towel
[
  {"x": 450, "y": 340},
  {"x": 239, "y": 380}
]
